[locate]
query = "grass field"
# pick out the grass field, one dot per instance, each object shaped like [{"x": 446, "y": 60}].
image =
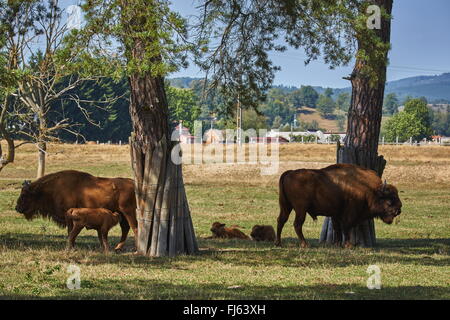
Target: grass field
[{"x": 413, "y": 254}]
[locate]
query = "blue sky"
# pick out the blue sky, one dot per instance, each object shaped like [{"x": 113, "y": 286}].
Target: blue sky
[{"x": 420, "y": 46}]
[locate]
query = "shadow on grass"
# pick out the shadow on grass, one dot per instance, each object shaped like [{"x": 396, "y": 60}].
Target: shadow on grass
[
  {"x": 249, "y": 253},
  {"x": 55, "y": 242},
  {"x": 153, "y": 289}
]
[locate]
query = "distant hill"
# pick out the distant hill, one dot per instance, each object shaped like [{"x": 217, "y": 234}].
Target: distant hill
[
  {"x": 431, "y": 87},
  {"x": 434, "y": 88}
]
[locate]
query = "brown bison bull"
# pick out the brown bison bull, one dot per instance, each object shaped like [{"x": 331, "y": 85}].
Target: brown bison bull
[
  {"x": 347, "y": 193},
  {"x": 52, "y": 195}
]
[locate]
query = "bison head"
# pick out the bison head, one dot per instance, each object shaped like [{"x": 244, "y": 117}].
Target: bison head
[
  {"x": 27, "y": 198},
  {"x": 218, "y": 228},
  {"x": 389, "y": 203}
]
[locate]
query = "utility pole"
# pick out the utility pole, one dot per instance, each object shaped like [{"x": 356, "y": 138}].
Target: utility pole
[{"x": 239, "y": 122}]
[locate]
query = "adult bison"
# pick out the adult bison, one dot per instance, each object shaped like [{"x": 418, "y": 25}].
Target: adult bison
[
  {"x": 52, "y": 195},
  {"x": 347, "y": 193}
]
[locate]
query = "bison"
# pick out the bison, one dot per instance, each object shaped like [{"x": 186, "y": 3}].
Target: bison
[
  {"x": 263, "y": 233},
  {"x": 53, "y": 194},
  {"x": 347, "y": 193},
  {"x": 99, "y": 219},
  {"x": 220, "y": 231}
]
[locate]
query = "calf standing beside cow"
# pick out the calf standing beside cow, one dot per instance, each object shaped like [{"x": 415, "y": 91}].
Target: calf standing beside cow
[{"x": 348, "y": 194}]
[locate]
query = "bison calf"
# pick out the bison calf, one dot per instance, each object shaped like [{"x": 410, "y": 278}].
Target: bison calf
[
  {"x": 99, "y": 219},
  {"x": 263, "y": 233},
  {"x": 220, "y": 231}
]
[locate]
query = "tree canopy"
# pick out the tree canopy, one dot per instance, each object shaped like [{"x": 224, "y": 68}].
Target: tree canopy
[{"x": 413, "y": 122}]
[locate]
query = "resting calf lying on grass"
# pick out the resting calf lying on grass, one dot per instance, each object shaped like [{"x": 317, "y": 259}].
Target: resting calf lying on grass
[
  {"x": 220, "y": 231},
  {"x": 99, "y": 219},
  {"x": 263, "y": 233}
]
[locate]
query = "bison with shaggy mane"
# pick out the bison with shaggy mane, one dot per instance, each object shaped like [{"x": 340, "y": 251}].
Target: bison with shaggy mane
[
  {"x": 52, "y": 195},
  {"x": 347, "y": 193}
]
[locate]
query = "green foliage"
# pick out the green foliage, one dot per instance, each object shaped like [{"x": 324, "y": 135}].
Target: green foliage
[
  {"x": 276, "y": 124},
  {"x": 305, "y": 96},
  {"x": 441, "y": 122},
  {"x": 343, "y": 101},
  {"x": 391, "y": 104},
  {"x": 183, "y": 105},
  {"x": 306, "y": 138},
  {"x": 325, "y": 105},
  {"x": 278, "y": 104},
  {"x": 151, "y": 37},
  {"x": 414, "y": 121},
  {"x": 328, "y": 92},
  {"x": 240, "y": 66},
  {"x": 253, "y": 120}
]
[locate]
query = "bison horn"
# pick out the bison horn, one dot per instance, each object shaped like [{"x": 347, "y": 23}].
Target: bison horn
[{"x": 26, "y": 183}]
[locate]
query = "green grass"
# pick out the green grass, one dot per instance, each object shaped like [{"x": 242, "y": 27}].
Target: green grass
[{"x": 413, "y": 254}]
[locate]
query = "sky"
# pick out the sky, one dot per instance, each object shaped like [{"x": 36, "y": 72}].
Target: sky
[{"x": 420, "y": 40}]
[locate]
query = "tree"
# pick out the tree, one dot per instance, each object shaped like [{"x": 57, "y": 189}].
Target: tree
[
  {"x": 364, "y": 117},
  {"x": 305, "y": 96},
  {"x": 414, "y": 121},
  {"x": 325, "y": 105},
  {"x": 252, "y": 120},
  {"x": 278, "y": 104},
  {"x": 40, "y": 70},
  {"x": 233, "y": 32},
  {"x": 276, "y": 124},
  {"x": 330, "y": 29},
  {"x": 441, "y": 122},
  {"x": 391, "y": 104},
  {"x": 343, "y": 101},
  {"x": 328, "y": 92},
  {"x": 153, "y": 40},
  {"x": 183, "y": 105}
]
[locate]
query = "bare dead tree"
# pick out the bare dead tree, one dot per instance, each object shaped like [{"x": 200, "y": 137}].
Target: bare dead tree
[{"x": 49, "y": 67}]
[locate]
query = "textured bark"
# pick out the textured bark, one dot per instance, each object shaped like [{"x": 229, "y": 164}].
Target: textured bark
[
  {"x": 363, "y": 129},
  {"x": 164, "y": 221}
]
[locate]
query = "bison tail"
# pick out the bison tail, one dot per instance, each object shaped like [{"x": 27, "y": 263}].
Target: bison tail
[{"x": 285, "y": 205}]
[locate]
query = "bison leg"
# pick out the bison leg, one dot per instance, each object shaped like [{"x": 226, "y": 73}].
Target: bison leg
[
  {"x": 73, "y": 235},
  {"x": 103, "y": 238},
  {"x": 300, "y": 215},
  {"x": 125, "y": 229},
  {"x": 69, "y": 226},
  {"x": 129, "y": 213},
  {"x": 282, "y": 218},
  {"x": 337, "y": 230},
  {"x": 347, "y": 243}
]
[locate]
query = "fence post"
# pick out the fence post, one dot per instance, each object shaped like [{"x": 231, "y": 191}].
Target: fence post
[
  {"x": 396, "y": 140},
  {"x": 410, "y": 141}
]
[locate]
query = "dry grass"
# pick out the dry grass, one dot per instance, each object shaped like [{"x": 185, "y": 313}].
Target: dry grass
[{"x": 413, "y": 254}]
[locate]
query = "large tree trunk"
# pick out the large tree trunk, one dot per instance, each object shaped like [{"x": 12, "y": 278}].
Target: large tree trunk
[
  {"x": 363, "y": 129},
  {"x": 164, "y": 221}
]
